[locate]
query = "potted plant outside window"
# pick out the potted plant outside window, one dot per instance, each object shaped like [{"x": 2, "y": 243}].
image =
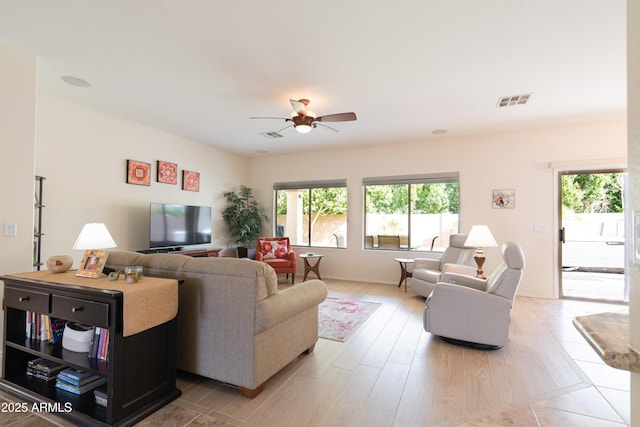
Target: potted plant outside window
[{"x": 244, "y": 217}]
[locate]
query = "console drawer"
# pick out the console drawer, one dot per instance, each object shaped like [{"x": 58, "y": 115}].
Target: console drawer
[
  {"x": 80, "y": 310},
  {"x": 27, "y": 300}
]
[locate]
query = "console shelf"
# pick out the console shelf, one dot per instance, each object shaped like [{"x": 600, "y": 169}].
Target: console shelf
[{"x": 140, "y": 370}]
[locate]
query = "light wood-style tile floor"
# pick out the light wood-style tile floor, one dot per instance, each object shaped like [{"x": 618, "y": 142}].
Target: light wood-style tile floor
[{"x": 393, "y": 373}]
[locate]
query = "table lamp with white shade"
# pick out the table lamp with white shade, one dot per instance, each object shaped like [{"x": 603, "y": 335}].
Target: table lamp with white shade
[
  {"x": 480, "y": 237},
  {"x": 93, "y": 237}
]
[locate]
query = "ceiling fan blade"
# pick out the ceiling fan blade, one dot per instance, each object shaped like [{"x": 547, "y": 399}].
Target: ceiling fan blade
[
  {"x": 288, "y": 128},
  {"x": 298, "y": 107},
  {"x": 328, "y": 127},
  {"x": 278, "y": 118},
  {"x": 341, "y": 117}
]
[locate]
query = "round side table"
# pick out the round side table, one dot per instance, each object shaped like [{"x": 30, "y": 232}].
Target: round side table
[
  {"x": 404, "y": 272},
  {"x": 308, "y": 267}
]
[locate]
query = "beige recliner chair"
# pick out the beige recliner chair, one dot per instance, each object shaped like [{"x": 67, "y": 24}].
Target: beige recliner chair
[
  {"x": 475, "y": 312},
  {"x": 427, "y": 271}
]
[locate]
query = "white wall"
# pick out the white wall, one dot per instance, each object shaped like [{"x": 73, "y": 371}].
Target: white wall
[
  {"x": 83, "y": 152},
  {"x": 17, "y": 142},
  {"x": 518, "y": 160},
  {"x": 633, "y": 269}
]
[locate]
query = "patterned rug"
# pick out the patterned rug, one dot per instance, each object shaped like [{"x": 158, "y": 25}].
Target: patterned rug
[{"x": 339, "y": 318}]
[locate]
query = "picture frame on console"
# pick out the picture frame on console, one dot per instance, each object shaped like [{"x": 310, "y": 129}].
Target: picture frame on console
[{"x": 92, "y": 263}]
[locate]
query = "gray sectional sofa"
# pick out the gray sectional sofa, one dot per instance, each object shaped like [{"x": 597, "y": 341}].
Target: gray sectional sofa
[{"x": 233, "y": 324}]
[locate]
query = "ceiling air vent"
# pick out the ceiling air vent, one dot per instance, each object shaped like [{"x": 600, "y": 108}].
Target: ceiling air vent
[
  {"x": 271, "y": 135},
  {"x": 508, "y": 101}
]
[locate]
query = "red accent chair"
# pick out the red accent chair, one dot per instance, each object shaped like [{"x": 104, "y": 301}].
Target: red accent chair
[{"x": 276, "y": 251}]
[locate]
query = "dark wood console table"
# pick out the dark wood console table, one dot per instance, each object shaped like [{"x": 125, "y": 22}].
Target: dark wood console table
[{"x": 140, "y": 369}]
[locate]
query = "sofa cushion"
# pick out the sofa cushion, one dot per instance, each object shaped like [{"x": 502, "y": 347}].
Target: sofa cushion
[
  {"x": 272, "y": 249},
  {"x": 278, "y": 262}
]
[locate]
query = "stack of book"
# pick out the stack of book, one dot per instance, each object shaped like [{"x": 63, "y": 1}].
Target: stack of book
[
  {"x": 99, "y": 344},
  {"x": 44, "y": 327},
  {"x": 43, "y": 369},
  {"x": 78, "y": 382}
]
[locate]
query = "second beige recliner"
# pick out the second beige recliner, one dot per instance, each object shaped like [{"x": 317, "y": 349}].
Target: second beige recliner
[{"x": 456, "y": 258}]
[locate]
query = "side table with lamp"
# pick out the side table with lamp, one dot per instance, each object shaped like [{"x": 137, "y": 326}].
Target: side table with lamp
[{"x": 480, "y": 237}]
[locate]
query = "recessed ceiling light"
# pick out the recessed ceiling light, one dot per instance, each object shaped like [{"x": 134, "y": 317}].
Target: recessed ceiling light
[
  {"x": 439, "y": 131},
  {"x": 75, "y": 81}
]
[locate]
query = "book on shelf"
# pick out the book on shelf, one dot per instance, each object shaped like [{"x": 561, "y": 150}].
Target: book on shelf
[
  {"x": 93, "y": 350},
  {"x": 105, "y": 347},
  {"x": 76, "y": 377},
  {"x": 100, "y": 396},
  {"x": 27, "y": 331},
  {"x": 79, "y": 389},
  {"x": 45, "y": 365},
  {"x": 44, "y": 321},
  {"x": 43, "y": 369},
  {"x": 46, "y": 376},
  {"x": 57, "y": 329},
  {"x": 103, "y": 344},
  {"x": 44, "y": 327}
]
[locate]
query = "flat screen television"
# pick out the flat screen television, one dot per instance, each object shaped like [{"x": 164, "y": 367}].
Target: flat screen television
[{"x": 174, "y": 226}]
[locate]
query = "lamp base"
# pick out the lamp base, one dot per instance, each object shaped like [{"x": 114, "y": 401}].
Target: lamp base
[{"x": 480, "y": 258}]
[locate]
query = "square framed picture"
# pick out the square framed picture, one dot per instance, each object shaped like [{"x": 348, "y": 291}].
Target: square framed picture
[
  {"x": 167, "y": 172},
  {"x": 92, "y": 263},
  {"x": 138, "y": 172},
  {"x": 504, "y": 199},
  {"x": 190, "y": 180}
]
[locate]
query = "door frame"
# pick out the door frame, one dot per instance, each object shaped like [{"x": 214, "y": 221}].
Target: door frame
[{"x": 560, "y": 168}]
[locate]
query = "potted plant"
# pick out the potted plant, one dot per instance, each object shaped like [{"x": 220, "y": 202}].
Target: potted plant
[{"x": 244, "y": 217}]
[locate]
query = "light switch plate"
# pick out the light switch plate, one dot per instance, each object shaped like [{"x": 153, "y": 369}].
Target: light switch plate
[
  {"x": 539, "y": 228},
  {"x": 9, "y": 229}
]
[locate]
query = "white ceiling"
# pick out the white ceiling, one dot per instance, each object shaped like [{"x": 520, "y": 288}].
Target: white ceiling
[{"x": 201, "y": 68}]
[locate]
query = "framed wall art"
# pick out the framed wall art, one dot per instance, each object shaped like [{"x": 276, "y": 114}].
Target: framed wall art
[
  {"x": 190, "y": 180},
  {"x": 504, "y": 199},
  {"x": 138, "y": 172},
  {"x": 167, "y": 172}
]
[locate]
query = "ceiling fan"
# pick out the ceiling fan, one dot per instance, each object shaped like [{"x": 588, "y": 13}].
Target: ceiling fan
[{"x": 303, "y": 120}]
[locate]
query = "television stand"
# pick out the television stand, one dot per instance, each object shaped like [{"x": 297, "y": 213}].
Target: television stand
[{"x": 211, "y": 252}]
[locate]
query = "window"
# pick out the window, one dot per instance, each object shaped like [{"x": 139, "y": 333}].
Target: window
[
  {"x": 412, "y": 212},
  {"x": 312, "y": 213}
]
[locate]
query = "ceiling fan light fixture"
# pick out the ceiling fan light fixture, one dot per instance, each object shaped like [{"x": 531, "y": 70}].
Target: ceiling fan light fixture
[
  {"x": 303, "y": 128},
  {"x": 304, "y": 120}
]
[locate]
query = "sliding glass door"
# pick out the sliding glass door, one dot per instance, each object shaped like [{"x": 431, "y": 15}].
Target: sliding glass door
[{"x": 592, "y": 240}]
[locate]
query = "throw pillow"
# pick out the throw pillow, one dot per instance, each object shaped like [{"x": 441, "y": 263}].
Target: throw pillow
[{"x": 272, "y": 249}]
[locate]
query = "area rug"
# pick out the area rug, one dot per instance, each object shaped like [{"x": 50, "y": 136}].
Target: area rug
[{"x": 339, "y": 318}]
